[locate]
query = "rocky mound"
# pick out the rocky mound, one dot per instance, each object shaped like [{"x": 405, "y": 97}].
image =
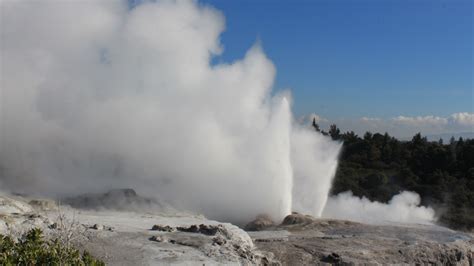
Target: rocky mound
[
  {"x": 262, "y": 222},
  {"x": 18, "y": 214},
  {"x": 117, "y": 199}
]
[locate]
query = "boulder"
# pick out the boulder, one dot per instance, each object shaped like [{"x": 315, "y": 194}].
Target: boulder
[
  {"x": 97, "y": 227},
  {"x": 162, "y": 228},
  {"x": 297, "y": 218},
  {"x": 204, "y": 229},
  {"x": 260, "y": 223}
]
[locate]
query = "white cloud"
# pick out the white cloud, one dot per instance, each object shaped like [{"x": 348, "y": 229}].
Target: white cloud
[
  {"x": 421, "y": 120},
  {"x": 317, "y": 118},
  {"x": 463, "y": 119},
  {"x": 369, "y": 119},
  {"x": 305, "y": 119}
]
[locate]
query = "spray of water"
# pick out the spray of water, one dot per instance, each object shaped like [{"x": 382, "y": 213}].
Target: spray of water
[{"x": 96, "y": 95}]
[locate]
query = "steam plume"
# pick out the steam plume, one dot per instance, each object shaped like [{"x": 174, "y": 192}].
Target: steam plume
[
  {"x": 402, "y": 208},
  {"x": 96, "y": 96}
]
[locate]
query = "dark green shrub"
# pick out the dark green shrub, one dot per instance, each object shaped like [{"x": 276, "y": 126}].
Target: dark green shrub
[{"x": 33, "y": 249}]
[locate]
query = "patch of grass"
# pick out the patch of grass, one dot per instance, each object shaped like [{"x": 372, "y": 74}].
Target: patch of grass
[{"x": 33, "y": 249}]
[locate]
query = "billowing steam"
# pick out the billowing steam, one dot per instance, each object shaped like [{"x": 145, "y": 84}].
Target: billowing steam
[
  {"x": 403, "y": 208},
  {"x": 96, "y": 95}
]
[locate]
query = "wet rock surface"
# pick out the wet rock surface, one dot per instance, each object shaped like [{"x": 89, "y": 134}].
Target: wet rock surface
[{"x": 303, "y": 240}]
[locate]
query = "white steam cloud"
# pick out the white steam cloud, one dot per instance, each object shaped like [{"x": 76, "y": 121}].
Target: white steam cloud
[
  {"x": 403, "y": 208},
  {"x": 95, "y": 96},
  {"x": 98, "y": 96}
]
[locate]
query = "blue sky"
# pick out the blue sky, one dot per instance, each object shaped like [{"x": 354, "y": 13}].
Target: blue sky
[{"x": 349, "y": 59}]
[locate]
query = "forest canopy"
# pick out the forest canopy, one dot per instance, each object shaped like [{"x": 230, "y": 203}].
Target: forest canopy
[{"x": 379, "y": 166}]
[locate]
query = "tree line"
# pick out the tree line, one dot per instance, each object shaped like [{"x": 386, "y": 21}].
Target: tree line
[{"x": 379, "y": 166}]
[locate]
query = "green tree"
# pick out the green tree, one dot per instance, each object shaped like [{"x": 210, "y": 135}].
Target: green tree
[
  {"x": 334, "y": 132},
  {"x": 315, "y": 125},
  {"x": 379, "y": 166}
]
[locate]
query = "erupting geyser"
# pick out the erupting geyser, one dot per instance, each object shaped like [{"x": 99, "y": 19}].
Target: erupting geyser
[{"x": 97, "y": 95}]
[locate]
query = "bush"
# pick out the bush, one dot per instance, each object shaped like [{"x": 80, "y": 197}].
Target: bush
[{"x": 33, "y": 249}]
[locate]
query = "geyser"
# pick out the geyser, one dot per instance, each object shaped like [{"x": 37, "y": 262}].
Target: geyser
[{"x": 96, "y": 95}]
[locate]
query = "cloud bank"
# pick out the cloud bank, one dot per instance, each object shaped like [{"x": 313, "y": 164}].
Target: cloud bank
[
  {"x": 97, "y": 96},
  {"x": 420, "y": 121},
  {"x": 463, "y": 119}
]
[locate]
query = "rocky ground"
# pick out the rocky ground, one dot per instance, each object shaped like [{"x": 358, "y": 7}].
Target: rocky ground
[
  {"x": 303, "y": 240},
  {"x": 122, "y": 235},
  {"x": 132, "y": 236}
]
